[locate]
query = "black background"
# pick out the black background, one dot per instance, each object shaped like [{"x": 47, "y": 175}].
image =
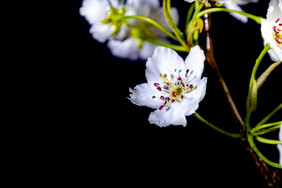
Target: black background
[{"x": 112, "y": 138}]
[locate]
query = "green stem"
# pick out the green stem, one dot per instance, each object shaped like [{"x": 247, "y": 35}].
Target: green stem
[
  {"x": 172, "y": 46},
  {"x": 253, "y": 17},
  {"x": 233, "y": 135},
  {"x": 153, "y": 22},
  {"x": 273, "y": 126},
  {"x": 173, "y": 26},
  {"x": 253, "y": 146},
  {"x": 248, "y": 103},
  {"x": 268, "y": 141},
  {"x": 269, "y": 115}
]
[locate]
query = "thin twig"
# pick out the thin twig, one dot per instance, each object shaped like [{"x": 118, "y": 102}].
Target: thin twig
[{"x": 212, "y": 63}]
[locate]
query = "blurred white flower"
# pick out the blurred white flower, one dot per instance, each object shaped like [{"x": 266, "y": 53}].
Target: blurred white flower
[
  {"x": 174, "y": 87},
  {"x": 136, "y": 46},
  {"x": 280, "y": 145},
  {"x": 235, "y": 5},
  {"x": 271, "y": 29},
  {"x": 104, "y": 17}
]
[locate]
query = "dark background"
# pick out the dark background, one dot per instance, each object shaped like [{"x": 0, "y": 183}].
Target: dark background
[{"x": 112, "y": 138}]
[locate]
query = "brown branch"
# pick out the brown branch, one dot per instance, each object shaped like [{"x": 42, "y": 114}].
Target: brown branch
[
  {"x": 210, "y": 59},
  {"x": 271, "y": 176}
]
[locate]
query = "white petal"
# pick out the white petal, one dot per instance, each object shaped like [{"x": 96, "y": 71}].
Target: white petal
[
  {"x": 234, "y": 6},
  {"x": 94, "y": 10},
  {"x": 101, "y": 32},
  {"x": 199, "y": 92},
  {"x": 145, "y": 95},
  {"x": 195, "y": 63},
  {"x": 274, "y": 10},
  {"x": 147, "y": 50},
  {"x": 168, "y": 116},
  {"x": 279, "y": 146},
  {"x": 127, "y": 49},
  {"x": 163, "y": 61},
  {"x": 192, "y": 99}
]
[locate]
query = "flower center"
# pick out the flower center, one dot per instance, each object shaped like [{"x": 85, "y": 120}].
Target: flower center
[
  {"x": 277, "y": 32},
  {"x": 173, "y": 89}
]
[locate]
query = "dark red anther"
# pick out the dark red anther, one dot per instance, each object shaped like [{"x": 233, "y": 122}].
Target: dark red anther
[
  {"x": 156, "y": 84},
  {"x": 173, "y": 100},
  {"x": 162, "y": 97},
  {"x": 182, "y": 96},
  {"x": 161, "y": 107},
  {"x": 277, "y": 20},
  {"x": 179, "y": 78},
  {"x": 174, "y": 94},
  {"x": 159, "y": 88},
  {"x": 191, "y": 86}
]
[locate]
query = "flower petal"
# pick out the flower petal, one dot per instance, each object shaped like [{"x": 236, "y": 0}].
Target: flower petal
[
  {"x": 145, "y": 95},
  {"x": 195, "y": 63},
  {"x": 101, "y": 32},
  {"x": 170, "y": 116},
  {"x": 163, "y": 61},
  {"x": 124, "y": 49}
]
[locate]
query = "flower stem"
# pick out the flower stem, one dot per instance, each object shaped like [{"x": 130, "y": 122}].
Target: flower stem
[
  {"x": 233, "y": 135},
  {"x": 269, "y": 115},
  {"x": 172, "y": 46},
  {"x": 248, "y": 103},
  {"x": 153, "y": 22},
  {"x": 172, "y": 25},
  {"x": 253, "y": 17},
  {"x": 269, "y": 127},
  {"x": 268, "y": 141},
  {"x": 253, "y": 146}
]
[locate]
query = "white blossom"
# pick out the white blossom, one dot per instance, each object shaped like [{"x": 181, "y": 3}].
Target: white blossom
[
  {"x": 136, "y": 46},
  {"x": 174, "y": 87},
  {"x": 104, "y": 17},
  {"x": 280, "y": 145},
  {"x": 271, "y": 29}
]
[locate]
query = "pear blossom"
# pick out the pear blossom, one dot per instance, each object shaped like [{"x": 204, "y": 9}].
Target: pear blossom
[
  {"x": 135, "y": 46},
  {"x": 105, "y": 18},
  {"x": 279, "y": 146},
  {"x": 271, "y": 29},
  {"x": 174, "y": 87}
]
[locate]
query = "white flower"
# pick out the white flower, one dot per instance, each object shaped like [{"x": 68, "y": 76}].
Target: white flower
[
  {"x": 271, "y": 29},
  {"x": 104, "y": 17},
  {"x": 136, "y": 46},
  {"x": 235, "y": 5},
  {"x": 174, "y": 87},
  {"x": 280, "y": 145}
]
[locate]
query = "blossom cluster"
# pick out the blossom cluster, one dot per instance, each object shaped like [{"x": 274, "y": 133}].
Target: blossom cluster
[
  {"x": 127, "y": 38},
  {"x": 143, "y": 29}
]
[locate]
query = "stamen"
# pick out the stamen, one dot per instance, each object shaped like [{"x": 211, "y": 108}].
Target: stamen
[
  {"x": 277, "y": 20},
  {"x": 161, "y": 107}
]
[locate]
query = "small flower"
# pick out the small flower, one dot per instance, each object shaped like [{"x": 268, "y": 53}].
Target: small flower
[
  {"x": 271, "y": 29},
  {"x": 136, "y": 45},
  {"x": 174, "y": 87},
  {"x": 235, "y": 5},
  {"x": 280, "y": 145},
  {"x": 105, "y": 17}
]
